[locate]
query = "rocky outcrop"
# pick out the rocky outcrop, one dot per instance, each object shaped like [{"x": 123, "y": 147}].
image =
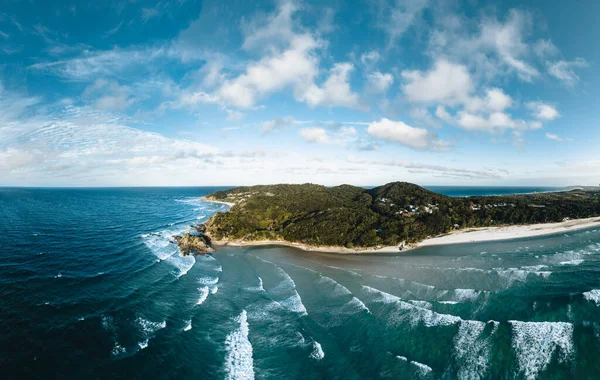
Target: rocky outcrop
[{"x": 194, "y": 244}]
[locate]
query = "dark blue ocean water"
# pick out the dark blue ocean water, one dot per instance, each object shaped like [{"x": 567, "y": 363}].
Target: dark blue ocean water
[{"x": 90, "y": 287}]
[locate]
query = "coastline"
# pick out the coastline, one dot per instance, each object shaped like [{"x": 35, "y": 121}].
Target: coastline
[
  {"x": 470, "y": 235},
  {"x": 463, "y": 236},
  {"x": 206, "y": 199},
  {"x": 485, "y": 234}
]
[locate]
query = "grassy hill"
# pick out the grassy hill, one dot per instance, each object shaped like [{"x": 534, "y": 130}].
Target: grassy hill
[{"x": 397, "y": 212}]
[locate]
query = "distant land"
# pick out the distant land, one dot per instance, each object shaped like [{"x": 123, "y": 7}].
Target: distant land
[{"x": 397, "y": 215}]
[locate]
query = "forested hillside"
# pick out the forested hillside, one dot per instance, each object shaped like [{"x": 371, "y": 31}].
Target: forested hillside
[{"x": 391, "y": 214}]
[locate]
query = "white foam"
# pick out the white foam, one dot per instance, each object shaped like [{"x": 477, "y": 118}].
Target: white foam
[
  {"x": 143, "y": 344},
  {"x": 535, "y": 343},
  {"x": 317, "y": 352},
  {"x": 287, "y": 286},
  {"x": 203, "y": 295},
  {"x": 471, "y": 350},
  {"x": 572, "y": 262},
  {"x": 593, "y": 296},
  {"x": 462, "y": 295},
  {"x": 355, "y": 305},
  {"x": 411, "y": 313},
  {"x": 182, "y": 263},
  {"x": 239, "y": 364},
  {"x": 149, "y": 327},
  {"x": 421, "y": 369},
  {"x": 118, "y": 349},
  {"x": 188, "y": 325},
  {"x": 208, "y": 280}
]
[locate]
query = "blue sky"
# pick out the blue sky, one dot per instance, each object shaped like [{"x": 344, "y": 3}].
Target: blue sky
[{"x": 185, "y": 92}]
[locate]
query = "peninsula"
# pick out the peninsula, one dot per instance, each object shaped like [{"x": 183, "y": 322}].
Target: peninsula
[{"x": 391, "y": 217}]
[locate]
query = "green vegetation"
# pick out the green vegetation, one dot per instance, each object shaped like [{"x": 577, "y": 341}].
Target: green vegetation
[{"x": 387, "y": 215}]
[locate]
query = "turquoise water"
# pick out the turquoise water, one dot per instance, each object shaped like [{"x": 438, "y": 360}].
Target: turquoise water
[{"x": 91, "y": 287}]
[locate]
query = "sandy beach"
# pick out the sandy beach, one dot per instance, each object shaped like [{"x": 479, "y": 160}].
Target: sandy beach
[
  {"x": 473, "y": 235},
  {"x": 205, "y": 199}
]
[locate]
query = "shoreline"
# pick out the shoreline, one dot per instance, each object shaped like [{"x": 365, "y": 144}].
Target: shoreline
[
  {"x": 485, "y": 234},
  {"x": 205, "y": 199},
  {"x": 466, "y": 236}
]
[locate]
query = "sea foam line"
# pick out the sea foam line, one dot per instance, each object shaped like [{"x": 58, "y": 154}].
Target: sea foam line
[{"x": 239, "y": 364}]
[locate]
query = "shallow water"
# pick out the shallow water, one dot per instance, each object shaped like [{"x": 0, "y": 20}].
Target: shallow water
[{"x": 90, "y": 286}]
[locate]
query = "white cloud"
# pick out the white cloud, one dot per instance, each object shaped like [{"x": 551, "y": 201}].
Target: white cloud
[
  {"x": 264, "y": 31},
  {"x": 446, "y": 82},
  {"x": 564, "y": 70},
  {"x": 542, "y": 111},
  {"x": 395, "y": 20},
  {"x": 545, "y": 48},
  {"x": 434, "y": 170},
  {"x": 441, "y": 112},
  {"x": 495, "y": 122},
  {"x": 507, "y": 41},
  {"x": 108, "y": 95},
  {"x": 399, "y": 132},
  {"x": 378, "y": 82},
  {"x": 233, "y": 115},
  {"x": 315, "y": 135},
  {"x": 279, "y": 123},
  {"x": 370, "y": 57},
  {"x": 339, "y": 136},
  {"x": 496, "y": 48},
  {"x": 149, "y": 13},
  {"x": 422, "y": 115},
  {"x": 335, "y": 91},
  {"x": 554, "y": 137},
  {"x": 295, "y": 67}
]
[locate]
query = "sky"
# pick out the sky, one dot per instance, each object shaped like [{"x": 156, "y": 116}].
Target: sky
[{"x": 364, "y": 92}]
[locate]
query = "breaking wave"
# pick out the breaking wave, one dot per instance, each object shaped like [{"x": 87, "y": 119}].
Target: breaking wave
[
  {"x": 535, "y": 343},
  {"x": 239, "y": 364}
]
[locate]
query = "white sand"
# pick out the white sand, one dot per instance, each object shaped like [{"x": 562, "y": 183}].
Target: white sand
[
  {"x": 510, "y": 232},
  {"x": 205, "y": 199}
]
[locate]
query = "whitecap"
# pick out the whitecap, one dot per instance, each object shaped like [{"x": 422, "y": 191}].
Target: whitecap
[
  {"x": 403, "y": 358},
  {"x": 572, "y": 262},
  {"x": 149, "y": 327},
  {"x": 286, "y": 287},
  {"x": 214, "y": 289},
  {"x": 593, "y": 296},
  {"x": 208, "y": 280},
  {"x": 535, "y": 343},
  {"x": 143, "y": 344},
  {"x": 182, "y": 263},
  {"x": 472, "y": 350},
  {"x": 354, "y": 305},
  {"x": 317, "y": 352},
  {"x": 118, "y": 350},
  {"x": 448, "y": 302},
  {"x": 411, "y": 313},
  {"x": 239, "y": 364},
  {"x": 203, "y": 295},
  {"x": 188, "y": 325},
  {"x": 421, "y": 369}
]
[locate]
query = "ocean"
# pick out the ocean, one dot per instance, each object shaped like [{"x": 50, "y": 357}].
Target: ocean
[{"x": 91, "y": 287}]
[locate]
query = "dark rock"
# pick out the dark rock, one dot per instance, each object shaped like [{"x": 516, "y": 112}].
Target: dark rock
[{"x": 194, "y": 244}]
